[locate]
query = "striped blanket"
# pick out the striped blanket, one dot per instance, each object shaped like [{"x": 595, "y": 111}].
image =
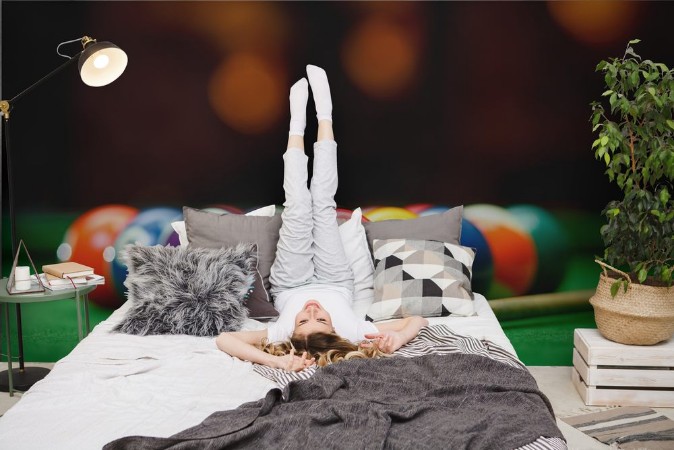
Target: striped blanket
[
  {"x": 456, "y": 392},
  {"x": 435, "y": 339}
]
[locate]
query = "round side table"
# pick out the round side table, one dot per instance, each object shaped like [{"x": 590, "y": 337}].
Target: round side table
[{"x": 23, "y": 378}]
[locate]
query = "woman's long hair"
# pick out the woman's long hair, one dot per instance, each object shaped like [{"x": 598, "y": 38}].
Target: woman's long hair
[{"x": 326, "y": 348}]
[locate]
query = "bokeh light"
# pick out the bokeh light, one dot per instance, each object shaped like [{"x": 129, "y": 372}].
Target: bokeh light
[
  {"x": 399, "y": 10},
  {"x": 248, "y": 93},
  {"x": 260, "y": 27},
  {"x": 381, "y": 57},
  {"x": 597, "y": 23}
]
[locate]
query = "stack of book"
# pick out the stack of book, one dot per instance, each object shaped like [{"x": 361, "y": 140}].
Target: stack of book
[{"x": 68, "y": 275}]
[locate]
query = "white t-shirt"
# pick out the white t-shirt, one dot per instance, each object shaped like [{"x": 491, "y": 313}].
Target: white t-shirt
[{"x": 336, "y": 300}]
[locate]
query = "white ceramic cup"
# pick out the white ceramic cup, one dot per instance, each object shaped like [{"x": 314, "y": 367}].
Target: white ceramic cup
[
  {"x": 22, "y": 278},
  {"x": 22, "y": 273}
]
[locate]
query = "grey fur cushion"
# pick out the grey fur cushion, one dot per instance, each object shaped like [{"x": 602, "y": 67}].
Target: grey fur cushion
[{"x": 194, "y": 291}]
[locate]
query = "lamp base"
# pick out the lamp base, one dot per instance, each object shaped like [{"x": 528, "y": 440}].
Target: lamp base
[{"x": 22, "y": 380}]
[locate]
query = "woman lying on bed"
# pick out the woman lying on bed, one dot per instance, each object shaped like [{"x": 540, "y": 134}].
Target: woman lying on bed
[{"x": 312, "y": 283}]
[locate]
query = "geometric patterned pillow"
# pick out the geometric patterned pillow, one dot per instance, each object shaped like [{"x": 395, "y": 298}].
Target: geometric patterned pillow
[{"x": 421, "y": 278}]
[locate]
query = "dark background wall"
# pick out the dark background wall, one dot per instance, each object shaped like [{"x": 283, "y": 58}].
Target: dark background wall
[
  {"x": 435, "y": 102},
  {"x": 439, "y": 102}
]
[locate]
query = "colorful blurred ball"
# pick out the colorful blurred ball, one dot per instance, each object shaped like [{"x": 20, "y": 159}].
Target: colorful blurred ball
[
  {"x": 483, "y": 266},
  {"x": 388, "y": 213},
  {"x": 367, "y": 209},
  {"x": 552, "y": 245},
  {"x": 224, "y": 209},
  {"x": 150, "y": 227},
  {"x": 499, "y": 290},
  {"x": 433, "y": 210},
  {"x": 343, "y": 214},
  {"x": 418, "y": 208},
  {"x": 90, "y": 240},
  {"x": 512, "y": 248}
]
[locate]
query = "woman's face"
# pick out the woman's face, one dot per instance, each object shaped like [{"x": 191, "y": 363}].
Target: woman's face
[{"x": 313, "y": 319}]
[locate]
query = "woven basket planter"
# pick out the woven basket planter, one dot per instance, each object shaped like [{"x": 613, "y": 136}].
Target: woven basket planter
[{"x": 644, "y": 315}]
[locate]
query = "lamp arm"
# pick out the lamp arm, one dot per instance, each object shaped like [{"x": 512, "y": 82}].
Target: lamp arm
[{"x": 6, "y": 105}]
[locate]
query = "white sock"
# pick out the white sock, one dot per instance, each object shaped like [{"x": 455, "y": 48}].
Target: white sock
[
  {"x": 299, "y": 94},
  {"x": 321, "y": 90}
]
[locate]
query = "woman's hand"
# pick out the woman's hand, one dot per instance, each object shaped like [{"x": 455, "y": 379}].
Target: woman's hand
[
  {"x": 396, "y": 333},
  {"x": 294, "y": 363},
  {"x": 387, "y": 341}
]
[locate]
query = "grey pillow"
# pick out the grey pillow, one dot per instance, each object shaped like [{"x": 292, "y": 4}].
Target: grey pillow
[
  {"x": 445, "y": 227},
  {"x": 212, "y": 230},
  {"x": 194, "y": 291}
]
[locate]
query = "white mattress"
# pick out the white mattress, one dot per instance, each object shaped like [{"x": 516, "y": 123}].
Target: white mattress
[{"x": 113, "y": 385}]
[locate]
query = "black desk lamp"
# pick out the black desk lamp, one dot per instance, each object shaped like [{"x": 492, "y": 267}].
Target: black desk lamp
[{"x": 100, "y": 63}]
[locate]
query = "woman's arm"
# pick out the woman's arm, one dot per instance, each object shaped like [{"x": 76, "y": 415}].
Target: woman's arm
[
  {"x": 396, "y": 333},
  {"x": 241, "y": 344}
]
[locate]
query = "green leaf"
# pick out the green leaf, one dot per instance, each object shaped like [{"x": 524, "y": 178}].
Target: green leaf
[
  {"x": 651, "y": 91},
  {"x": 609, "y": 92},
  {"x": 664, "y": 196},
  {"x": 670, "y": 123},
  {"x": 614, "y": 288},
  {"x": 607, "y": 158},
  {"x": 666, "y": 274},
  {"x": 634, "y": 41},
  {"x": 604, "y": 141},
  {"x": 643, "y": 274},
  {"x": 596, "y": 116}
]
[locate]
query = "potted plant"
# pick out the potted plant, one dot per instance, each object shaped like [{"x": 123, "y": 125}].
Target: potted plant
[{"x": 635, "y": 139}]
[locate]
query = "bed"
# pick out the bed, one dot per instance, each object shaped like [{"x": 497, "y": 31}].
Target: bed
[{"x": 120, "y": 390}]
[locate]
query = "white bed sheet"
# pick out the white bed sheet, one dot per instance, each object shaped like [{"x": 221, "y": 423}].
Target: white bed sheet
[{"x": 113, "y": 385}]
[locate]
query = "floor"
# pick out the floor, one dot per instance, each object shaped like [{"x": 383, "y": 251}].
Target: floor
[
  {"x": 555, "y": 382},
  {"x": 6, "y": 401}
]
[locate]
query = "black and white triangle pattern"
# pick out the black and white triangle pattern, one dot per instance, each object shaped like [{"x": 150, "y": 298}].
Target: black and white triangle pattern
[{"x": 421, "y": 278}]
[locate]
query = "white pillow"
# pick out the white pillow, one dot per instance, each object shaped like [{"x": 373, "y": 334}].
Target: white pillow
[
  {"x": 357, "y": 251},
  {"x": 179, "y": 226},
  {"x": 266, "y": 211}
]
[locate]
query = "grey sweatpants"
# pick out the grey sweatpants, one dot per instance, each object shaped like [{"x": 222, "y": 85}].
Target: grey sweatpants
[{"x": 309, "y": 248}]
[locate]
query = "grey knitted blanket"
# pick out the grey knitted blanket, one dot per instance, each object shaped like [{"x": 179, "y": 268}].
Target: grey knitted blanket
[{"x": 449, "y": 401}]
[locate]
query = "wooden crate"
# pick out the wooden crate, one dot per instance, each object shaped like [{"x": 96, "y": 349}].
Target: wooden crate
[{"x": 607, "y": 373}]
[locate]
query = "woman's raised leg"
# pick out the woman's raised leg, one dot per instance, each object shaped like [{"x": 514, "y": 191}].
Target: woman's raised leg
[
  {"x": 293, "y": 265},
  {"x": 330, "y": 262}
]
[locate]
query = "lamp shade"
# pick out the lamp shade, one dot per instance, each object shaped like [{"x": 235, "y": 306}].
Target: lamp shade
[{"x": 101, "y": 63}]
